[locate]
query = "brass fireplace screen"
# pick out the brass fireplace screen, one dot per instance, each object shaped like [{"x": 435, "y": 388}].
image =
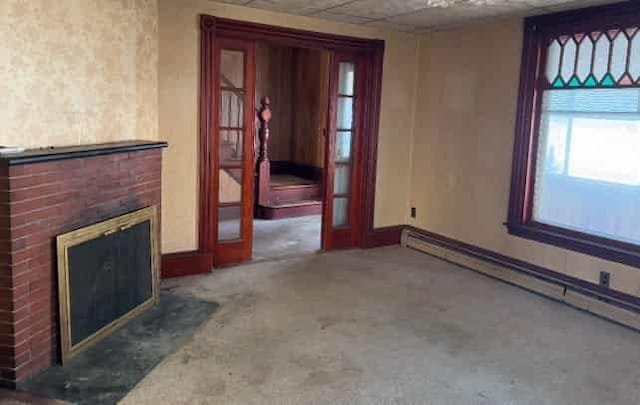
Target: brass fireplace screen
[{"x": 107, "y": 275}]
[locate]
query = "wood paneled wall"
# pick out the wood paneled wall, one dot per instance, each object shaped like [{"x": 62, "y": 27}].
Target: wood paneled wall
[
  {"x": 296, "y": 80},
  {"x": 274, "y": 73},
  {"x": 311, "y": 90}
]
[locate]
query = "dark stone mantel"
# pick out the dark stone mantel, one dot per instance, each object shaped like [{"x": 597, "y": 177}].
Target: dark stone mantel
[{"x": 38, "y": 155}]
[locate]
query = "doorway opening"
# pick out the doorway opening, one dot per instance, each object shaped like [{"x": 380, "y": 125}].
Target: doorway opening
[
  {"x": 292, "y": 92},
  {"x": 289, "y": 122}
]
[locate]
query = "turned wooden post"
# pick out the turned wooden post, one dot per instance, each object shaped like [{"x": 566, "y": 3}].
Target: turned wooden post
[{"x": 264, "y": 167}]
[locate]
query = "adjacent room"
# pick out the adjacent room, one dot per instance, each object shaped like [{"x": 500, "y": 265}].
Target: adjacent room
[
  {"x": 329, "y": 201},
  {"x": 292, "y": 86}
]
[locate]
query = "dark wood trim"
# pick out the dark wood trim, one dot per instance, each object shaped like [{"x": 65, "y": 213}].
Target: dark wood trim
[
  {"x": 41, "y": 155},
  {"x": 373, "y": 50},
  {"x": 185, "y": 264},
  {"x": 289, "y": 36},
  {"x": 617, "y": 298},
  {"x": 369, "y": 154},
  {"x": 603, "y": 248},
  {"x": 588, "y": 19},
  {"x": 386, "y": 236},
  {"x": 207, "y": 214},
  {"x": 520, "y": 221}
]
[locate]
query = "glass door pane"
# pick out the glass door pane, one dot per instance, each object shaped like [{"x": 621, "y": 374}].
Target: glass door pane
[
  {"x": 343, "y": 144},
  {"x": 230, "y": 137}
]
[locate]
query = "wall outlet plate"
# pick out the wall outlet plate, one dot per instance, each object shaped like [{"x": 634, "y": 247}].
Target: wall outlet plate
[{"x": 605, "y": 279}]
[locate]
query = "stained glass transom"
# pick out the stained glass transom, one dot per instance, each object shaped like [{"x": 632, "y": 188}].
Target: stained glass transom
[{"x": 593, "y": 60}]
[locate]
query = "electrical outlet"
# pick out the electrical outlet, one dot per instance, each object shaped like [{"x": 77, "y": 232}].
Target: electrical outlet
[
  {"x": 605, "y": 279},
  {"x": 413, "y": 212}
]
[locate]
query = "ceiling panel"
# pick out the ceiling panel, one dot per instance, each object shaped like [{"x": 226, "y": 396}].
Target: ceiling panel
[
  {"x": 351, "y": 19},
  {"x": 301, "y": 7},
  {"x": 415, "y": 15},
  {"x": 381, "y": 9}
]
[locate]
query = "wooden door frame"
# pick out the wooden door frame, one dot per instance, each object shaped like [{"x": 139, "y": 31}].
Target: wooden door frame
[{"x": 201, "y": 260}]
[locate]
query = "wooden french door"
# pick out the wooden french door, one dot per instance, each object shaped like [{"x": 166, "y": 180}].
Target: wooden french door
[
  {"x": 233, "y": 132},
  {"x": 343, "y": 190}
]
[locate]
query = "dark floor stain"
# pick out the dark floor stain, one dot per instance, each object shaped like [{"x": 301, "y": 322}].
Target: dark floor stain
[{"x": 106, "y": 372}]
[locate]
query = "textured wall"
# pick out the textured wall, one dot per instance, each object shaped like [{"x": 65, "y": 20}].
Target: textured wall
[
  {"x": 462, "y": 149},
  {"x": 77, "y": 71},
  {"x": 178, "y": 107}
]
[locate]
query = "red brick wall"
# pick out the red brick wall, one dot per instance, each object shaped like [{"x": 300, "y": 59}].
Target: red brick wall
[{"x": 38, "y": 202}]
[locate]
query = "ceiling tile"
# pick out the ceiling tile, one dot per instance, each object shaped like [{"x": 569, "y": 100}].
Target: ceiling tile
[
  {"x": 295, "y": 6},
  {"x": 238, "y": 2},
  {"x": 381, "y": 8},
  {"x": 391, "y": 26},
  {"x": 439, "y": 16},
  {"x": 351, "y": 19}
]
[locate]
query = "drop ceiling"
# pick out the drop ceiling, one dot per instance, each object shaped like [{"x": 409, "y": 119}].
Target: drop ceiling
[{"x": 414, "y": 15}]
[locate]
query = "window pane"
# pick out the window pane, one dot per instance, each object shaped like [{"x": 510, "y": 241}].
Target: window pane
[
  {"x": 343, "y": 146},
  {"x": 232, "y": 69},
  {"x": 340, "y": 207},
  {"x": 231, "y": 109},
  {"x": 341, "y": 179},
  {"x": 230, "y": 147},
  {"x": 588, "y": 172},
  {"x": 346, "y": 79},
  {"x": 345, "y": 113},
  {"x": 229, "y": 219},
  {"x": 230, "y": 185}
]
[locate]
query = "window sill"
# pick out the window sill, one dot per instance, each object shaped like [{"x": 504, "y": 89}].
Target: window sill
[{"x": 603, "y": 248}]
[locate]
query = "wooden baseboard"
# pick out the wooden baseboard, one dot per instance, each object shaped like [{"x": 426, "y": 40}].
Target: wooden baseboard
[
  {"x": 385, "y": 236},
  {"x": 185, "y": 264},
  {"x": 613, "y": 305}
]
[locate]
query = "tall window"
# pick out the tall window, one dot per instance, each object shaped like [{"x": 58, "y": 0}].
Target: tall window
[{"x": 576, "y": 175}]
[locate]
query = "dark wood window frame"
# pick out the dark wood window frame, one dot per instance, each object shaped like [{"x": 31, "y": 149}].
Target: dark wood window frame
[{"x": 520, "y": 219}]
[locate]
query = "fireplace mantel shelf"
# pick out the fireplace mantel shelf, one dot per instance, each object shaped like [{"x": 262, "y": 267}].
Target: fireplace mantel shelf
[{"x": 39, "y": 155}]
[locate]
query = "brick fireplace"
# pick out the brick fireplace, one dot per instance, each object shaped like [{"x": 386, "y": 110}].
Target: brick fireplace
[{"x": 44, "y": 193}]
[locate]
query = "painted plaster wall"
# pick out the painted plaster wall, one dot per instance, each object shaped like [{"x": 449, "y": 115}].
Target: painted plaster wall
[
  {"x": 462, "y": 148},
  {"x": 178, "y": 110},
  {"x": 78, "y": 71}
]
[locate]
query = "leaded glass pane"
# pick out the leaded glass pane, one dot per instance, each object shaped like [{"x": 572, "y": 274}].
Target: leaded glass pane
[
  {"x": 634, "y": 63},
  {"x": 619, "y": 57},
  {"x": 553, "y": 61},
  {"x": 568, "y": 60},
  {"x": 601, "y": 58},
  {"x": 585, "y": 52}
]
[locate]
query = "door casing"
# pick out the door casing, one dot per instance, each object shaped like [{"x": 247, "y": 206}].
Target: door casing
[{"x": 371, "y": 52}]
